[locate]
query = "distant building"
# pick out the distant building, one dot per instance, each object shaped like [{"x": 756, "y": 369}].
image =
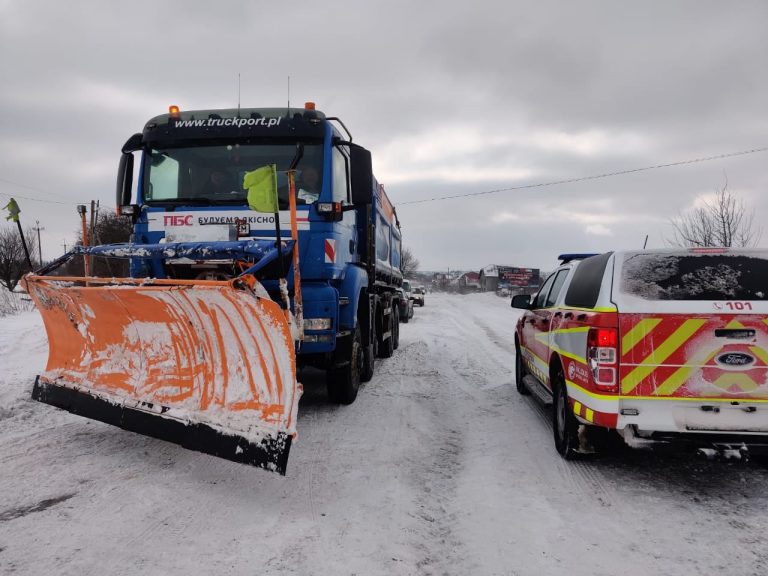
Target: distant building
[
  {"x": 495, "y": 277},
  {"x": 469, "y": 281}
]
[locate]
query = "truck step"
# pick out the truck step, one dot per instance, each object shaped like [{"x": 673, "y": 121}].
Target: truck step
[{"x": 537, "y": 389}]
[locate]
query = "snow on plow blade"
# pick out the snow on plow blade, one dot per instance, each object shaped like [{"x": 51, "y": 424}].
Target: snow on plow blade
[{"x": 209, "y": 365}]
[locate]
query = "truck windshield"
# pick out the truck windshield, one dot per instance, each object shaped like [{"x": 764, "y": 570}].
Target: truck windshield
[
  {"x": 209, "y": 175},
  {"x": 725, "y": 276}
]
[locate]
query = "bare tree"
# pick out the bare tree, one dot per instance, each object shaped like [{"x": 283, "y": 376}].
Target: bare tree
[
  {"x": 109, "y": 228},
  {"x": 408, "y": 262},
  {"x": 13, "y": 262},
  {"x": 723, "y": 221}
]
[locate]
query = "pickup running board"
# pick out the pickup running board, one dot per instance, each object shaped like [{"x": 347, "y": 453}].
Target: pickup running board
[{"x": 537, "y": 389}]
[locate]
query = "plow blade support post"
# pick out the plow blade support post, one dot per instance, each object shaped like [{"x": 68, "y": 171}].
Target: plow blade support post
[{"x": 207, "y": 365}]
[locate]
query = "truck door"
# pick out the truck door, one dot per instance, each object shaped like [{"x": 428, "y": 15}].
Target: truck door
[{"x": 345, "y": 241}]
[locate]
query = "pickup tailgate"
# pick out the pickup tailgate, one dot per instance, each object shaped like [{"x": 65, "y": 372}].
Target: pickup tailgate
[
  {"x": 694, "y": 324},
  {"x": 718, "y": 356}
]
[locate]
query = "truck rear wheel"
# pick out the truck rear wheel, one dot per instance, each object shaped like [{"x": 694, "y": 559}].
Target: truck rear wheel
[
  {"x": 369, "y": 362},
  {"x": 564, "y": 423},
  {"x": 395, "y": 327},
  {"x": 343, "y": 381}
]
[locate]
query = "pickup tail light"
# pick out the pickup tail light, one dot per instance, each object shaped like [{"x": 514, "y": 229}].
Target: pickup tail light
[{"x": 602, "y": 358}]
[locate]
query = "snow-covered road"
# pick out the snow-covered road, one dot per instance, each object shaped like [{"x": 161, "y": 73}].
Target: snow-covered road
[{"x": 439, "y": 467}]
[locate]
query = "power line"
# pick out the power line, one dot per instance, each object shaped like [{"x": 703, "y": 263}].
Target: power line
[
  {"x": 34, "y": 189},
  {"x": 593, "y": 177}
]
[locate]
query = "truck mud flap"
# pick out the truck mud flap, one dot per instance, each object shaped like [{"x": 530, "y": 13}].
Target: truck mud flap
[{"x": 208, "y": 365}]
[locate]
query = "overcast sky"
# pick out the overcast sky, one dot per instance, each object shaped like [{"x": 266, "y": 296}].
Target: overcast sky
[{"x": 450, "y": 97}]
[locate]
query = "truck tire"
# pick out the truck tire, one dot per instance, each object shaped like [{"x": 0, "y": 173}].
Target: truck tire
[
  {"x": 395, "y": 327},
  {"x": 387, "y": 346},
  {"x": 520, "y": 372},
  {"x": 564, "y": 423},
  {"x": 369, "y": 362},
  {"x": 343, "y": 381},
  {"x": 405, "y": 317}
]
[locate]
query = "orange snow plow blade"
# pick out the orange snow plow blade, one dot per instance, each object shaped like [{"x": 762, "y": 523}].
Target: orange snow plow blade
[{"x": 209, "y": 365}]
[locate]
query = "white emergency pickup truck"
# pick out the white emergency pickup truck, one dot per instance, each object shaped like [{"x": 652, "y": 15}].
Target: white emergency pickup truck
[{"x": 661, "y": 346}]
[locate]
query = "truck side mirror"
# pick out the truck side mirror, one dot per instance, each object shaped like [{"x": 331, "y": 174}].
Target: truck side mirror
[
  {"x": 125, "y": 175},
  {"x": 124, "y": 180},
  {"x": 361, "y": 175}
]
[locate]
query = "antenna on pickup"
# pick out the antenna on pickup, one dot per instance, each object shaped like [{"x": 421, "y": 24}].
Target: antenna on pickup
[
  {"x": 289, "y": 93},
  {"x": 238, "y": 94},
  {"x": 646, "y": 242}
]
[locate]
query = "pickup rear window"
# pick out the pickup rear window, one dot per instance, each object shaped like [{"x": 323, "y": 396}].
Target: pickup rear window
[{"x": 695, "y": 277}]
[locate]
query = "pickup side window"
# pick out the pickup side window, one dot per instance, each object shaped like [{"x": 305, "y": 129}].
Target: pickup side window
[
  {"x": 585, "y": 286},
  {"x": 541, "y": 297},
  {"x": 557, "y": 285}
]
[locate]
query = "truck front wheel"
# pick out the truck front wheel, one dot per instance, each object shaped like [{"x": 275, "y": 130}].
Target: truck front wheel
[{"x": 343, "y": 381}]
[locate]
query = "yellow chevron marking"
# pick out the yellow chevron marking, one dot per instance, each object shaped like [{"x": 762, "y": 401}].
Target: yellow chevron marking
[
  {"x": 577, "y": 408},
  {"x": 742, "y": 381},
  {"x": 761, "y": 353},
  {"x": 589, "y": 415},
  {"x": 636, "y": 334},
  {"x": 661, "y": 353},
  {"x": 735, "y": 324},
  {"x": 678, "y": 378}
]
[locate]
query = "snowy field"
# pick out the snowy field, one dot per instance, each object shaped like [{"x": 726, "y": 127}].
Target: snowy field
[{"x": 439, "y": 467}]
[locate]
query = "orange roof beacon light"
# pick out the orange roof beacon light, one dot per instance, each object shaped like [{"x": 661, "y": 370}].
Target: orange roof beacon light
[
  {"x": 309, "y": 105},
  {"x": 173, "y": 111}
]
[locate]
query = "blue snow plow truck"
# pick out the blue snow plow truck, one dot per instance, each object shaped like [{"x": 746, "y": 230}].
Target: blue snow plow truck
[{"x": 190, "y": 189}]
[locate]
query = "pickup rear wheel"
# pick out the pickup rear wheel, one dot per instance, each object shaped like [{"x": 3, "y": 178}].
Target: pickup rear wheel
[
  {"x": 343, "y": 381},
  {"x": 564, "y": 423},
  {"x": 520, "y": 372}
]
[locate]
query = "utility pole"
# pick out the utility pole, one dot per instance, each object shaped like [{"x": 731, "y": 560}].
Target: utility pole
[
  {"x": 39, "y": 245},
  {"x": 65, "y": 246},
  {"x": 81, "y": 209},
  {"x": 90, "y": 232}
]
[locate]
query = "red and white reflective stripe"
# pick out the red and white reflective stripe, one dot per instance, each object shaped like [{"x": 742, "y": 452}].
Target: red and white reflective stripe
[{"x": 330, "y": 251}]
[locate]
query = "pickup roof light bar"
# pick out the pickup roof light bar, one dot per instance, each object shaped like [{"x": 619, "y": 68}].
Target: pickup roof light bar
[
  {"x": 708, "y": 250},
  {"x": 565, "y": 258}
]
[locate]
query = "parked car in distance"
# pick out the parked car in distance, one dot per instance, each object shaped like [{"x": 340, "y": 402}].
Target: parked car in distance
[
  {"x": 418, "y": 295},
  {"x": 405, "y": 305}
]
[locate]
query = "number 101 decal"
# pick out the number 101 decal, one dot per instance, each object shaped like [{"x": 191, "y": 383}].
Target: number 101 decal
[{"x": 736, "y": 305}]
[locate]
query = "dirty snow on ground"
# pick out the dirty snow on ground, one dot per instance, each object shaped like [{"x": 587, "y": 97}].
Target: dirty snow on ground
[{"x": 439, "y": 467}]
